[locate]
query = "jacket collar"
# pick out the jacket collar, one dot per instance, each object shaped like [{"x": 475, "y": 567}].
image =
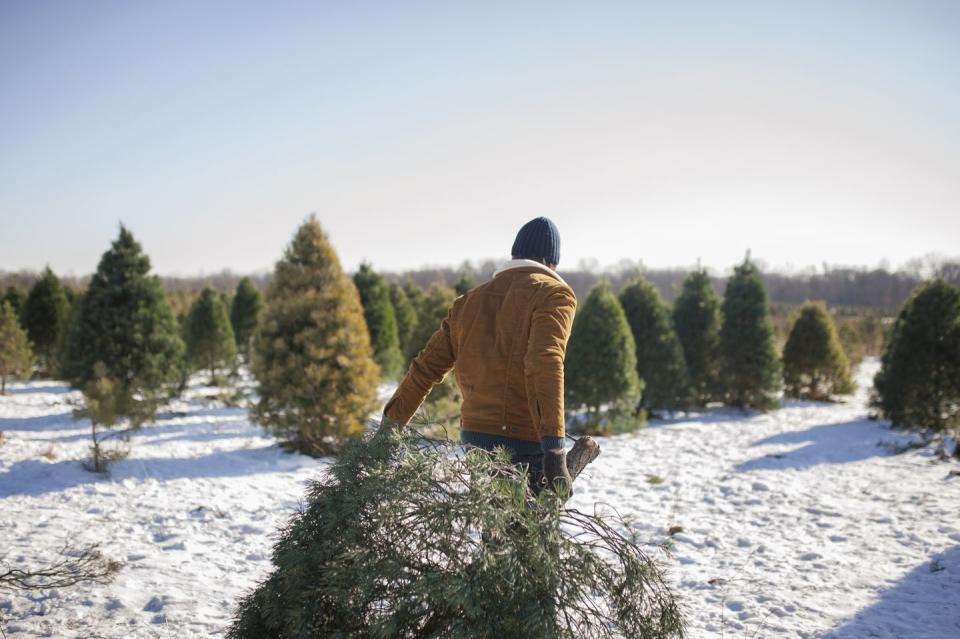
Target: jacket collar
[{"x": 523, "y": 263}]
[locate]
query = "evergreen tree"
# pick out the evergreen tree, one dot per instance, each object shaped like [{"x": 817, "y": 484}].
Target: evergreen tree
[
  {"x": 466, "y": 282},
  {"x": 244, "y": 312},
  {"x": 434, "y": 306},
  {"x": 919, "y": 380},
  {"x": 381, "y": 322},
  {"x": 415, "y": 295},
  {"x": 15, "y": 297},
  {"x": 124, "y": 321},
  {"x": 405, "y": 314},
  {"x": 814, "y": 364},
  {"x": 209, "y": 336},
  {"x": 601, "y": 361},
  {"x": 696, "y": 317},
  {"x": 311, "y": 349},
  {"x": 749, "y": 366},
  {"x": 44, "y": 316},
  {"x": 15, "y": 355},
  {"x": 659, "y": 354}
]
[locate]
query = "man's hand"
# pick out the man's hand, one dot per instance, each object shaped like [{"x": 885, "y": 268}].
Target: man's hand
[
  {"x": 387, "y": 423},
  {"x": 556, "y": 473}
]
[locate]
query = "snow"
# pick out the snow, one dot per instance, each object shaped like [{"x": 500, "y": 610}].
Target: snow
[{"x": 794, "y": 523}]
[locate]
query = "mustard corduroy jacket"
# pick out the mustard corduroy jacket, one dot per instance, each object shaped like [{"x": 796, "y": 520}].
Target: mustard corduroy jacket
[{"x": 506, "y": 340}]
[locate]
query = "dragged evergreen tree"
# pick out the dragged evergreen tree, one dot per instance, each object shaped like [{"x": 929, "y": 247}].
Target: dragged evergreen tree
[
  {"x": 919, "y": 380},
  {"x": 405, "y": 314},
  {"x": 696, "y": 318},
  {"x": 601, "y": 361},
  {"x": 125, "y": 322},
  {"x": 15, "y": 355},
  {"x": 209, "y": 335},
  {"x": 244, "y": 312},
  {"x": 45, "y": 316},
  {"x": 311, "y": 350},
  {"x": 15, "y": 297},
  {"x": 381, "y": 322},
  {"x": 749, "y": 366},
  {"x": 660, "y": 362},
  {"x": 814, "y": 364},
  {"x": 405, "y": 540}
]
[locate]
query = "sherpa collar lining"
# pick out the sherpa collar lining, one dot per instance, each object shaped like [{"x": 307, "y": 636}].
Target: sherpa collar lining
[{"x": 523, "y": 263}]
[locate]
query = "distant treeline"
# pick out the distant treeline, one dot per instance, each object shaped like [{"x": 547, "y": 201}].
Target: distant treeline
[{"x": 877, "y": 288}]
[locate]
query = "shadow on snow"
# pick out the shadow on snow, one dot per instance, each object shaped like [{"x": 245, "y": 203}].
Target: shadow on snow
[
  {"x": 825, "y": 444},
  {"x": 922, "y": 605}
]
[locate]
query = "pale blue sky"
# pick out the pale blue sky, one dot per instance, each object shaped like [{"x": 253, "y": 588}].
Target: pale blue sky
[{"x": 427, "y": 133}]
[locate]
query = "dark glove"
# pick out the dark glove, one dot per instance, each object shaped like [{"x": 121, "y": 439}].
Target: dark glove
[{"x": 556, "y": 473}]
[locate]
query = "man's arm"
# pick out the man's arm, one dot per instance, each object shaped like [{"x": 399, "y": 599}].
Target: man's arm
[
  {"x": 427, "y": 369},
  {"x": 550, "y": 329}
]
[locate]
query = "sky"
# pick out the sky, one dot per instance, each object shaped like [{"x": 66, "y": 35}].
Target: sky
[{"x": 427, "y": 133}]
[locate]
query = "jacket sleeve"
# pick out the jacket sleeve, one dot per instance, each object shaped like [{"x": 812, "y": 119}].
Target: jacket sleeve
[
  {"x": 428, "y": 368},
  {"x": 550, "y": 328}
]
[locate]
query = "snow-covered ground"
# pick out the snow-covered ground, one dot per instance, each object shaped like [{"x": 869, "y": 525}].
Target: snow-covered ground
[{"x": 794, "y": 524}]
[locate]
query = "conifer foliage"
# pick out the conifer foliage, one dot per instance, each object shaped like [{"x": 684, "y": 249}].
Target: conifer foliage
[
  {"x": 750, "y": 368},
  {"x": 381, "y": 322},
  {"x": 403, "y": 539},
  {"x": 814, "y": 364},
  {"x": 919, "y": 380},
  {"x": 244, "y": 311},
  {"x": 15, "y": 297},
  {"x": 125, "y": 322},
  {"x": 696, "y": 318},
  {"x": 15, "y": 355},
  {"x": 601, "y": 360},
  {"x": 311, "y": 350},
  {"x": 660, "y": 362},
  {"x": 405, "y": 314},
  {"x": 209, "y": 335},
  {"x": 433, "y": 308},
  {"x": 44, "y": 316}
]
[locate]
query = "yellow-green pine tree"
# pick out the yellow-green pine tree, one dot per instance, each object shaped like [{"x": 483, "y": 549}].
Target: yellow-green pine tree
[{"x": 311, "y": 352}]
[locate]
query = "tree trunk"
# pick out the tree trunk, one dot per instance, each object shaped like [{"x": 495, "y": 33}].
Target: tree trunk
[
  {"x": 584, "y": 451},
  {"x": 3, "y": 383}
]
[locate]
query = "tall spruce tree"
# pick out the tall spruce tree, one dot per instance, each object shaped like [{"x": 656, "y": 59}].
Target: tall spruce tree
[
  {"x": 601, "y": 360},
  {"x": 381, "y": 322},
  {"x": 749, "y": 366},
  {"x": 659, "y": 354},
  {"x": 919, "y": 380},
  {"x": 125, "y": 322},
  {"x": 209, "y": 335},
  {"x": 311, "y": 350},
  {"x": 244, "y": 311},
  {"x": 15, "y": 355},
  {"x": 15, "y": 297},
  {"x": 814, "y": 364},
  {"x": 405, "y": 314},
  {"x": 696, "y": 318},
  {"x": 44, "y": 316}
]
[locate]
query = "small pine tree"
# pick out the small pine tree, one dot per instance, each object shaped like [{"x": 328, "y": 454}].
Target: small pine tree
[
  {"x": 405, "y": 314},
  {"x": 311, "y": 349},
  {"x": 44, "y": 316},
  {"x": 749, "y": 367},
  {"x": 696, "y": 317},
  {"x": 601, "y": 361},
  {"x": 209, "y": 335},
  {"x": 101, "y": 400},
  {"x": 659, "y": 354},
  {"x": 381, "y": 322},
  {"x": 466, "y": 282},
  {"x": 15, "y": 355},
  {"x": 814, "y": 364},
  {"x": 125, "y": 322},
  {"x": 919, "y": 380},
  {"x": 15, "y": 297},
  {"x": 434, "y": 306},
  {"x": 244, "y": 312}
]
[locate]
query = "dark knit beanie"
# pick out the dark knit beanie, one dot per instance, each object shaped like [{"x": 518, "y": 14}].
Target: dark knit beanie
[{"x": 538, "y": 239}]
